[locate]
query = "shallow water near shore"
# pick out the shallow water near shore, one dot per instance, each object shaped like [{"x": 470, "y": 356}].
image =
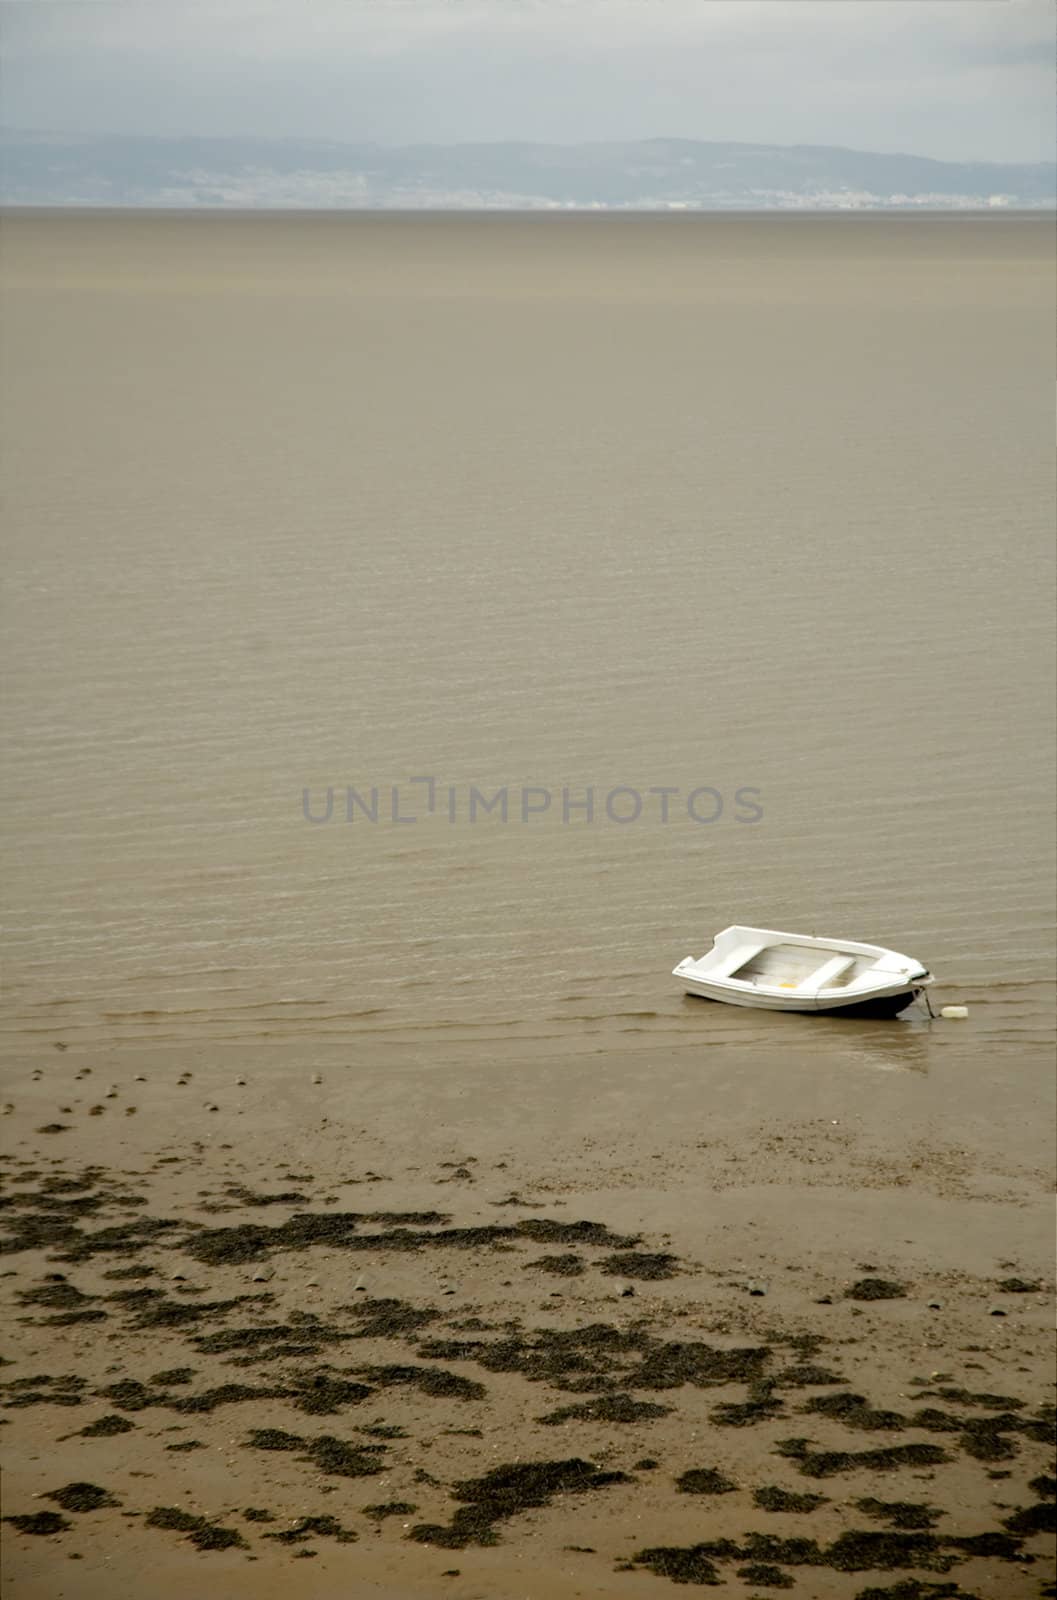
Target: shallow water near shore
[{"x": 729, "y": 506}]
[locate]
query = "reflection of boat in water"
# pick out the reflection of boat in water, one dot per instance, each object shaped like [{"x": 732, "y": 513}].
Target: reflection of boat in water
[{"x": 774, "y": 971}]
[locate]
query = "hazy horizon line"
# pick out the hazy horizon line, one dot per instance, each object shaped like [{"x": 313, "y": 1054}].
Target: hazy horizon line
[{"x": 20, "y": 130}]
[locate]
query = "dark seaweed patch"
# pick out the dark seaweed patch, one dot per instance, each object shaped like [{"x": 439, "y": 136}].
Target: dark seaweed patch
[
  {"x": 337, "y": 1457},
  {"x": 225, "y": 1394},
  {"x": 203, "y": 1533},
  {"x": 313, "y": 1527},
  {"x": 433, "y": 1381},
  {"x": 106, "y": 1427},
  {"x": 42, "y": 1522},
  {"x": 670, "y": 1365},
  {"x": 904, "y": 1514},
  {"x": 915, "y": 1589},
  {"x": 686, "y": 1564},
  {"x": 172, "y": 1519},
  {"x": 505, "y": 1492},
  {"x": 1019, "y": 1286},
  {"x": 641, "y": 1264},
  {"x": 565, "y": 1266},
  {"x": 761, "y": 1406},
  {"x": 857, "y": 1551},
  {"x": 1030, "y": 1520},
  {"x": 175, "y": 1314},
  {"x": 274, "y": 1439},
  {"x": 56, "y": 1297},
  {"x": 128, "y": 1394},
  {"x": 390, "y": 1319},
  {"x": 854, "y": 1411},
  {"x": 321, "y": 1394},
  {"x": 704, "y": 1480},
  {"x": 389, "y": 1508},
  {"x": 774, "y": 1499},
  {"x": 609, "y": 1408},
  {"x": 212, "y": 1537},
  {"x": 827, "y": 1463},
  {"x": 875, "y": 1289},
  {"x": 544, "y": 1231},
  {"x": 403, "y": 1231},
  {"x": 43, "y": 1389},
  {"x": 247, "y": 1197},
  {"x": 766, "y": 1576},
  {"x": 991, "y": 1544},
  {"x": 82, "y": 1497},
  {"x": 67, "y": 1319}
]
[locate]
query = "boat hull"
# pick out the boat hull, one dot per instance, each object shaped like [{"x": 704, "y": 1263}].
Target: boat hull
[{"x": 882, "y": 1005}]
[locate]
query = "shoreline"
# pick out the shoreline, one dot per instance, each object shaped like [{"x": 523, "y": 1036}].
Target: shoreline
[{"x": 445, "y": 1273}]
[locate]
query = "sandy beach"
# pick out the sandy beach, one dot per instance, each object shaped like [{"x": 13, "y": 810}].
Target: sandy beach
[{"x": 584, "y": 1330}]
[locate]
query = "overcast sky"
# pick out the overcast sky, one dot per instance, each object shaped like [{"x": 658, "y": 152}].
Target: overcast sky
[{"x": 957, "y": 79}]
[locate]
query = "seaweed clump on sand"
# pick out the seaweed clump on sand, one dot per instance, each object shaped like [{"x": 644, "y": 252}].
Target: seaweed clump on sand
[
  {"x": 914, "y": 1589},
  {"x": 827, "y": 1463},
  {"x": 875, "y": 1289},
  {"x": 203, "y": 1533},
  {"x": 225, "y": 1394},
  {"x": 82, "y": 1497},
  {"x": 545, "y": 1231},
  {"x": 390, "y": 1319},
  {"x": 775, "y": 1499},
  {"x": 577, "y": 1359},
  {"x": 106, "y": 1427},
  {"x": 337, "y": 1457},
  {"x": 672, "y": 1364},
  {"x": 505, "y": 1492},
  {"x": 641, "y": 1264},
  {"x": 904, "y": 1514},
  {"x": 766, "y": 1576},
  {"x": 569, "y": 1265},
  {"x": 1031, "y": 1520},
  {"x": 312, "y": 1527},
  {"x": 129, "y": 1394},
  {"x": 853, "y": 1551},
  {"x": 855, "y": 1411},
  {"x": 704, "y": 1480},
  {"x": 761, "y": 1406},
  {"x": 608, "y": 1408},
  {"x": 389, "y": 1508},
  {"x": 693, "y": 1563},
  {"x": 432, "y": 1381},
  {"x": 402, "y": 1230},
  {"x": 44, "y": 1390},
  {"x": 55, "y": 1296},
  {"x": 41, "y": 1522}
]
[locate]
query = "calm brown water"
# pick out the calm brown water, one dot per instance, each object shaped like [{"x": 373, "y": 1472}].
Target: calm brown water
[{"x": 589, "y": 502}]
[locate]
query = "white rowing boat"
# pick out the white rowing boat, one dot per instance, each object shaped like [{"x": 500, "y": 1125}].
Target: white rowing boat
[{"x": 797, "y": 972}]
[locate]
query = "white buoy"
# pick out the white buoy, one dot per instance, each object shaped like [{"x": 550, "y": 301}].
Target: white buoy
[{"x": 954, "y": 1011}]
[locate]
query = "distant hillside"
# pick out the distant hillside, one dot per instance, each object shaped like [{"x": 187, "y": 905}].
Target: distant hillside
[{"x": 649, "y": 174}]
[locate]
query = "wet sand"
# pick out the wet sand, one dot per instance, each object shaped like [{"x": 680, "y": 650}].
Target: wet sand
[{"x": 565, "y": 1326}]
